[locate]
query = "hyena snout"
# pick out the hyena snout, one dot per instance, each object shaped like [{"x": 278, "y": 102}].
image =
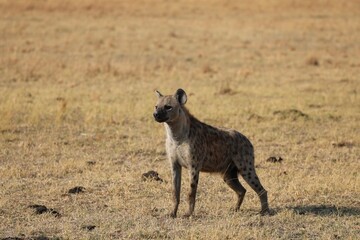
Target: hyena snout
[{"x": 160, "y": 116}]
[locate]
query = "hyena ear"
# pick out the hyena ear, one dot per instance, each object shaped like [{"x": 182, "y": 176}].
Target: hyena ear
[
  {"x": 181, "y": 96},
  {"x": 158, "y": 94}
]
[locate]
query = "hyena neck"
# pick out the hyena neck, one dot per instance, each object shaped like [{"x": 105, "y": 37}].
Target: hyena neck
[{"x": 178, "y": 129}]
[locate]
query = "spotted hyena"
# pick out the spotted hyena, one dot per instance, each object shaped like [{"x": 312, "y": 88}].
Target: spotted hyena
[{"x": 197, "y": 146}]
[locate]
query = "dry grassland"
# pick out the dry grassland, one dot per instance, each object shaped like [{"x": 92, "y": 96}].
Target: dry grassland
[{"x": 76, "y": 101}]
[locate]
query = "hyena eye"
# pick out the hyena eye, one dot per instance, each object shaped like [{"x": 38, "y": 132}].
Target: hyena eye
[
  {"x": 168, "y": 108},
  {"x": 156, "y": 107}
]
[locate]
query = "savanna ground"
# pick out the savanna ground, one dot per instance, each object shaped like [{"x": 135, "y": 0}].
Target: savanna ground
[{"x": 76, "y": 102}]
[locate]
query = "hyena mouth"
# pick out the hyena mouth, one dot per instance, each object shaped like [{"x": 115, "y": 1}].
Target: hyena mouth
[{"x": 160, "y": 119}]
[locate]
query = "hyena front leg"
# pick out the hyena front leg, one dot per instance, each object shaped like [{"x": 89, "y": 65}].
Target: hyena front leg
[
  {"x": 194, "y": 179},
  {"x": 176, "y": 179}
]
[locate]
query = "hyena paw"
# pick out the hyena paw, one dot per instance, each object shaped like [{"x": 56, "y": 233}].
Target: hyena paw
[{"x": 266, "y": 212}]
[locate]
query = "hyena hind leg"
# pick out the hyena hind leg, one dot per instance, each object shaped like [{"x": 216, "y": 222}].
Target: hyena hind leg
[
  {"x": 249, "y": 175},
  {"x": 232, "y": 180}
]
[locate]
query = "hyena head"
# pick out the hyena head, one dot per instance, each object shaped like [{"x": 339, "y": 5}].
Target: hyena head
[{"x": 168, "y": 108}]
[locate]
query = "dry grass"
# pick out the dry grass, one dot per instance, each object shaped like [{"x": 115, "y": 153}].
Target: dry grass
[{"x": 76, "y": 85}]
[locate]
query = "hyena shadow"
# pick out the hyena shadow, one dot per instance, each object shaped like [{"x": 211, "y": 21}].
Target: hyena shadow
[{"x": 325, "y": 210}]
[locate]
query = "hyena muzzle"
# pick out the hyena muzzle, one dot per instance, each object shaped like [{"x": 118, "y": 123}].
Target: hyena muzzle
[{"x": 200, "y": 147}]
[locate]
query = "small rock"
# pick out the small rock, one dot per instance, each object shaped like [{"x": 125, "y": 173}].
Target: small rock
[
  {"x": 77, "y": 189},
  {"x": 89, "y": 227},
  {"x": 274, "y": 159},
  {"x": 151, "y": 175},
  {"x": 90, "y": 163},
  {"x": 342, "y": 144},
  {"x": 313, "y": 61},
  {"x": 40, "y": 209},
  {"x": 227, "y": 91}
]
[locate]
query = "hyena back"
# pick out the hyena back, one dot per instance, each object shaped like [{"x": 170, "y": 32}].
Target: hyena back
[{"x": 200, "y": 147}]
